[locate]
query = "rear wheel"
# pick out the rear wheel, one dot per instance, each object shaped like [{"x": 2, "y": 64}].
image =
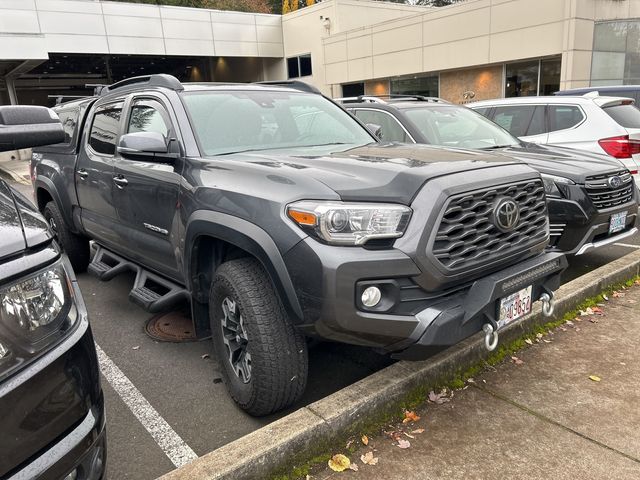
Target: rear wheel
[
  {"x": 263, "y": 357},
  {"x": 75, "y": 246}
]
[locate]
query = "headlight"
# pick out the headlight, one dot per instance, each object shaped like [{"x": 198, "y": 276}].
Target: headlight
[
  {"x": 350, "y": 223},
  {"x": 34, "y": 311},
  {"x": 551, "y": 183}
]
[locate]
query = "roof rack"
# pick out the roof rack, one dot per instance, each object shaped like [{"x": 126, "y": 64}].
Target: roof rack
[
  {"x": 156, "y": 80},
  {"x": 295, "y": 84},
  {"x": 390, "y": 98}
]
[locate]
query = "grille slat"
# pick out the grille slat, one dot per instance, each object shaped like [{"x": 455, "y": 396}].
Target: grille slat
[
  {"x": 603, "y": 195},
  {"x": 466, "y": 237}
]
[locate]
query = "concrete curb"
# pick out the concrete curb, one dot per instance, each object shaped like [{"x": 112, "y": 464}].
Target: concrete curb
[{"x": 261, "y": 452}]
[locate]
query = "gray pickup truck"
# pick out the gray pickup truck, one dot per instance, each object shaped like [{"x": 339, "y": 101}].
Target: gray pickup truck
[{"x": 279, "y": 216}]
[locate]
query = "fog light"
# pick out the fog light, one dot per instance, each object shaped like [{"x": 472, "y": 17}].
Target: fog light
[
  {"x": 371, "y": 296},
  {"x": 73, "y": 475}
]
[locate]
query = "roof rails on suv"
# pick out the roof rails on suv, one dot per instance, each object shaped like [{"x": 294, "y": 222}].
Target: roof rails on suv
[
  {"x": 156, "y": 80},
  {"x": 389, "y": 98}
]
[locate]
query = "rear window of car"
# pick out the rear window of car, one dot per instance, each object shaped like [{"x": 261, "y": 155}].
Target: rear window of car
[
  {"x": 626, "y": 115},
  {"x": 562, "y": 117}
]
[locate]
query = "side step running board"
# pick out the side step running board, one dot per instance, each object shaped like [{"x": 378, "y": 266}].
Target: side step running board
[{"x": 150, "y": 291}]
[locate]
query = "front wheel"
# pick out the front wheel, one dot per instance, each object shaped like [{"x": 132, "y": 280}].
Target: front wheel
[
  {"x": 75, "y": 246},
  {"x": 263, "y": 357}
]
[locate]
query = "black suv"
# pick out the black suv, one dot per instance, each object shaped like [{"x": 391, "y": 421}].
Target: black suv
[
  {"x": 52, "y": 422},
  {"x": 279, "y": 216},
  {"x": 591, "y": 198}
]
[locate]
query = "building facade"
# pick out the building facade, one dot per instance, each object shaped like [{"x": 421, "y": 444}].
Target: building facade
[{"x": 472, "y": 50}]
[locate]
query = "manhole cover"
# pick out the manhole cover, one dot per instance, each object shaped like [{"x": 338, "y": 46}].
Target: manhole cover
[{"x": 171, "y": 327}]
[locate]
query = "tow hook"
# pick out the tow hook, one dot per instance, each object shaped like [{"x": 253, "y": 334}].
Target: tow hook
[
  {"x": 548, "y": 304},
  {"x": 490, "y": 336}
]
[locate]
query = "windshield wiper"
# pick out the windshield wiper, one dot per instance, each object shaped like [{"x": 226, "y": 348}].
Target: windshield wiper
[
  {"x": 496, "y": 147},
  {"x": 280, "y": 147}
]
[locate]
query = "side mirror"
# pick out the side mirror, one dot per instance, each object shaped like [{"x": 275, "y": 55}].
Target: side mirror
[
  {"x": 24, "y": 126},
  {"x": 375, "y": 129},
  {"x": 145, "y": 145}
]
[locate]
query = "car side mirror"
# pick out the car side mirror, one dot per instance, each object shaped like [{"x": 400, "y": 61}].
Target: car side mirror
[
  {"x": 145, "y": 145},
  {"x": 23, "y": 126},
  {"x": 375, "y": 129}
]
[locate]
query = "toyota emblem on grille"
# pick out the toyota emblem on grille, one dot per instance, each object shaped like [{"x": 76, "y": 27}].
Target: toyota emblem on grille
[
  {"x": 506, "y": 214},
  {"x": 615, "y": 181}
]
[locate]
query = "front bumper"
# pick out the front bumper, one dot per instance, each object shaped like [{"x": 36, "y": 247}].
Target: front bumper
[
  {"x": 52, "y": 410},
  {"x": 410, "y": 323},
  {"x": 577, "y": 227}
]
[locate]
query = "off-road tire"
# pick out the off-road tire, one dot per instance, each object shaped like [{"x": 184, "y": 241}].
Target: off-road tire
[
  {"x": 75, "y": 246},
  {"x": 278, "y": 351}
]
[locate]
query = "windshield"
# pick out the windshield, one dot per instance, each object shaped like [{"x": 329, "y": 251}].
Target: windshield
[
  {"x": 239, "y": 121},
  {"x": 460, "y": 127}
]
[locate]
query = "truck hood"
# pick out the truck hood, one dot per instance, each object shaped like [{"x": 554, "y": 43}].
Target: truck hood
[
  {"x": 21, "y": 224},
  {"x": 573, "y": 164},
  {"x": 377, "y": 172}
]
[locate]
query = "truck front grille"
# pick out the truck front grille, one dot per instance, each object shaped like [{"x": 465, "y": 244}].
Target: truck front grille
[
  {"x": 467, "y": 237},
  {"x": 604, "y": 194}
]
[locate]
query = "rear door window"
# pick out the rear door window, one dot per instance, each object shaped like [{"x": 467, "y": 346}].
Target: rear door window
[
  {"x": 537, "y": 125},
  {"x": 627, "y": 115},
  {"x": 515, "y": 118},
  {"x": 563, "y": 117},
  {"x": 104, "y": 128},
  {"x": 392, "y": 131},
  {"x": 69, "y": 120}
]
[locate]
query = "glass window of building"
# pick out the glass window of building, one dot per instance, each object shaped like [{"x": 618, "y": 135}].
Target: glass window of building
[
  {"x": 616, "y": 53},
  {"x": 535, "y": 77},
  {"x": 299, "y": 66},
  {"x": 427, "y": 86}
]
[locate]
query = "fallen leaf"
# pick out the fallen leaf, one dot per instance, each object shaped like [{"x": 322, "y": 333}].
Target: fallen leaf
[
  {"x": 617, "y": 294},
  {"x": 410, "y": 417},
  {"x": 546, "y": 341},
  {"x": 516, "y": 360},
  {"x": 528, "y": 341},
  {"x": 369, "y": 459},
  {"x": 417, "y": 431},
  {"x": 637, "y": 282},
  {"x": 408, "y": 435},
  {"x": 471, "y": 380},
  {"x": 593, "y": 320},
  {"x": 569, "y": 322},
  {"x": 437, "y": 398},
  {"x": 136, "y": 347},
  {"x": 339, "y": 463},
  {"x": 349, "y": 443},
  {"x": 365, "y": 440},
  {"x": 595, "y": 378},
  {"x": 353, "y": 467},
  {"x": 597, "y": 311},
  {"x": 402, "y": 443},
  {"x": 206, "y": 355},
  {"x": 605, "y": 297},
  {"x": 539, "y": 335}
]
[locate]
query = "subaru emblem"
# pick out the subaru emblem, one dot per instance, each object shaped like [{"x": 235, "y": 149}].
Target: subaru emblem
[{"x": 615, "y": 181}]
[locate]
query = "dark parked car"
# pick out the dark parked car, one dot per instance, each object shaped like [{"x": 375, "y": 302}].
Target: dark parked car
[
  {"x": 279, "y": 216},
  {"x": 591, "y": 198},
  {"x": 52, "y": 421}
]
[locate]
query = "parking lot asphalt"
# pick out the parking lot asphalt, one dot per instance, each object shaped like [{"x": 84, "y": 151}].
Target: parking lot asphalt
[{"x": 180, "y": 381}]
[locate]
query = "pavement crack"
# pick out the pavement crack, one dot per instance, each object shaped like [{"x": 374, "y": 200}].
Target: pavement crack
[{"x": 546, "y": 419}]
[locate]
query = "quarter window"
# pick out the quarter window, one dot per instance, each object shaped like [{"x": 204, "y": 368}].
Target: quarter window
[
  {"x": 562, "y": 117},
  {"x": 391, "y": 129},
  {"x": 104, "y": 129}
]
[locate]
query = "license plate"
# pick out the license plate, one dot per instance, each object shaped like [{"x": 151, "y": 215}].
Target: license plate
[
  {"x": 618, "y": 222},
  {"x": 514, "y": 306}
]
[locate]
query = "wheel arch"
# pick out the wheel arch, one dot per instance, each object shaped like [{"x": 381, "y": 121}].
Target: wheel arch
[{"x": 212, "y": 238}]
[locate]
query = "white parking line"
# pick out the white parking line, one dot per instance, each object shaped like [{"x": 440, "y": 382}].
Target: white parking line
[
  {"x": 627, "y": 245},
  {"x": 167, "y": 439}
]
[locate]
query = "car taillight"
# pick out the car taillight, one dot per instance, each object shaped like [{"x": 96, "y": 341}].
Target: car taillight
[{"x": 620, "y": 147}]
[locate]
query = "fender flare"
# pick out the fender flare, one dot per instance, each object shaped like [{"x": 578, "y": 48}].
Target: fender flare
[
  {"x": 250, "y": 238},
  {"x": 47, "y": 184}
]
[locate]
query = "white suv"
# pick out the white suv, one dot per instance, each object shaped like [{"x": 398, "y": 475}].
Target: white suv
[{"x": 607, "y": 125}]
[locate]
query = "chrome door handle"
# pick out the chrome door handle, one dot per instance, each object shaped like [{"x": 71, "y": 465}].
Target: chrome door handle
[
  {"x": 120, "y": 182},
  {"x": 83, "y": 174}
]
